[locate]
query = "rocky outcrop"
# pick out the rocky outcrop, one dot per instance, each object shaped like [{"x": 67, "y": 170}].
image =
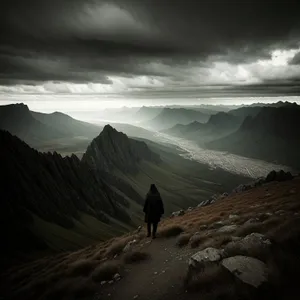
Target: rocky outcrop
[
  {"x": 205, "y": 258},
  {"x": 228, "y": 229},
  {"x": 113, "y": 150},
  {"x": 248, "y": 269}
]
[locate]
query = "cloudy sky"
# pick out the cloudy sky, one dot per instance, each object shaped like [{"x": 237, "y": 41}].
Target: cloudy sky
[{"x": 150, "y": 48}]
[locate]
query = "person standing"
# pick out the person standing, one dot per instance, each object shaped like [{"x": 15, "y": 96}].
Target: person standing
[{"x": 153, "y": 209}]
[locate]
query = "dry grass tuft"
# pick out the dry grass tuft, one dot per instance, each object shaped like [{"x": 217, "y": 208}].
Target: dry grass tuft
[
  {"x": 171, "y": 231},
  {"x": 106, "y": 271},
  {"x": 117, "y": 247},
  {"x": 81, "y": 267},
  {"x": 198, "y": 239},
  {"x": 135, "y": 257},
  {"x": 183, "y": 239}
]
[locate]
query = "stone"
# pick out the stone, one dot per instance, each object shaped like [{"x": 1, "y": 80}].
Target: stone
[
  {"x": 190, "y": 209},
  {"x": 200, "y": 204},
  {"x": 117, "y": 277},
  {"x": 205, "y": 257},
  {"x": 263, "y": 216},
  {"x": 251, "y": 221},
  {"x": 111, "y": 282},
  {"x": 268, "y": 195},
  {"x": 252, "y": 242},
  {"x": 177, "y": 213},
  {"x": 248, "y": 269},
  {"x": 139, "y": 229},
  {"x": 231, "y": 217},
  {"x": 136, "y": 296},
  {"x": 103, "y": 282},
  {"x": 129, "y": 245},
  {"x": 280, "y": 212},
  {"x": 203, "y": 227},
  {"x": 218, "y": 225},
  {"x": 228, "y": 229},
  {"x": 155, "y": 273}
]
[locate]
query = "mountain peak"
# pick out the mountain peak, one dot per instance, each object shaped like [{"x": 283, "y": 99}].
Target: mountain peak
[{"x": 112, "y": 149}]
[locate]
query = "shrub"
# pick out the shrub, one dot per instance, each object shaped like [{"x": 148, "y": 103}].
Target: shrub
[
  {"x": 81, "y": 267},
  {"x": 135, "y": 256},
  {"x": 171, "y": 231},
  {"x": 106, "y": 271},
  {"x": 183, "y": 239}
]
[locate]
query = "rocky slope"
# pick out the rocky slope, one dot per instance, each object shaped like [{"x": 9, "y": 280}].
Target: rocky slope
[
  {"x": 244, "y": 246},
  {"x": 57, "y": 190},
  {"x": 271, "y": 135},
  {"x": 113, "y": 150}
]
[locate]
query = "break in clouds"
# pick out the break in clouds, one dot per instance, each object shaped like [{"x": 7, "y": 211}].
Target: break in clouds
[{"x": 150, "y": 47}]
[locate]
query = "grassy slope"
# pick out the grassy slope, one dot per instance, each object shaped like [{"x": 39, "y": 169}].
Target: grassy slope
[
  {"x": 50, "y": 274},
  {"x": 88, "y": 231}
]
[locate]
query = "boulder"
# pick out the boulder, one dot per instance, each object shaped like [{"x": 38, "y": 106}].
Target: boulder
[
  {"x": 233, "y": 217},
  {"x": 248, "y": 269},
  {"x": 217, "y": 225},
  {"x": 205, "y": 258},
  {"x": 224, "y": 195},
  {"x": 129, "y": 245},
  {"x": 254, "y": 243},
  {"x": 203, "y": 227},
  {"x": 264, "y": 216},
  {"x": 200, "y": 204},
  {"x": 117, "y": 277},
  {"x": 181, "y": 213},
  {"x": 228, "y": 229},
  {"x": 251, "y": 221},
  {"x": 279, "y": 212},
  {"x": 278, "y": 176}
]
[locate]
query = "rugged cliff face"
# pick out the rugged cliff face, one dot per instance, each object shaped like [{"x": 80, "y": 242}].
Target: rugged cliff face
[
  {"x": 56, "y": 189},
  {"x": 113, "y": 150}
]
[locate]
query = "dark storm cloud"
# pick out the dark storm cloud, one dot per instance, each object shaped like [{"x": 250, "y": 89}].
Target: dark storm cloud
[
  {"x": 87, "y": 41},
  {"x": 295, "y": 60}
]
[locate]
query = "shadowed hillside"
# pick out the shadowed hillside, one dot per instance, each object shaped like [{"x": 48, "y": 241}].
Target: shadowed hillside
[
  {"x": 169, "y": 117},
  {"x": 48, "y": 132},
  {"x": 44, "y": 195},
  {"x": 217, "y": 126},
  {"x": 271, "y": 135},
  {"x": 18, "y": 120},
  {"x": 244, "y": 246}
]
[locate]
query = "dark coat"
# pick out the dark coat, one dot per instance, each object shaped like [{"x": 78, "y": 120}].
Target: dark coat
[{"x": 153, "y": 208}]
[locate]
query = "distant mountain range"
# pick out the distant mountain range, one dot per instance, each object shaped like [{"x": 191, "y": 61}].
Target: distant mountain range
[
  {"x": 217, "y": 126},
  {"x": 36, "y": 128},
  {"x": 146, "y": 113},
  {"x": 170, "y": 117},
  {"x": 272, "y": 135}
]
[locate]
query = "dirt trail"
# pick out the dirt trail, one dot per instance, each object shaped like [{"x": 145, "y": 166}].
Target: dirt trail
[{"x": 159, "y": 278}]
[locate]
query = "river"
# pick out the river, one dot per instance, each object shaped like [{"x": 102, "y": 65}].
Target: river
[{"x": 216, "y": 159}]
